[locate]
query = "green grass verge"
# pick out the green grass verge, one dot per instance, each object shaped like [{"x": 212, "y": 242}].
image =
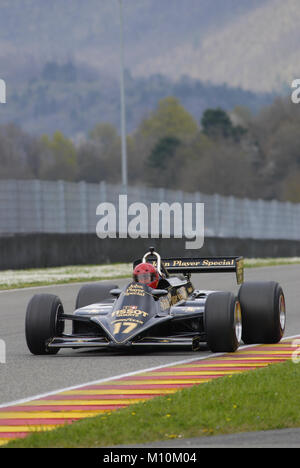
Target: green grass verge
[
  {"x": 35, "y": 284},
  {"x": 257, "y": 400},
  {"x": 13, "y": 279},
  {"x": 265, "y": 262}
]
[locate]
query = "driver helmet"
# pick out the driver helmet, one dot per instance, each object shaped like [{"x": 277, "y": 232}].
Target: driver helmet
[{"x": 146, "y": 273}]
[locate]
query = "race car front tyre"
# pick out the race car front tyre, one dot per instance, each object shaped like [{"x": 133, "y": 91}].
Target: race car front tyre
[
  {"x": 93, "y": 293},
  {"x": 42, "y": 323},
  {"x": 263, "y": 312},
  {"x": 222, "y": 319}
]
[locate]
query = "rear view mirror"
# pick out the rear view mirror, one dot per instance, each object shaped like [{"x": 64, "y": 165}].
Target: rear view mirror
[{"x": 115, "y": 292}]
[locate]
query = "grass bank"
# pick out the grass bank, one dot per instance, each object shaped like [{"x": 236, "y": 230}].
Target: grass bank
[
  {"x": 263, "y": 399},
  {"x": 11, "y": 279}
]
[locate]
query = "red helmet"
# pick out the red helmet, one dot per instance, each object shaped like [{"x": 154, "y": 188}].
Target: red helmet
[{"x": 146, "y": 273}]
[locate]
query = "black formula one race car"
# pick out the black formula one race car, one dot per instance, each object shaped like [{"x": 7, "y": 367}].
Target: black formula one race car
[{"x": 173, "y": 313}]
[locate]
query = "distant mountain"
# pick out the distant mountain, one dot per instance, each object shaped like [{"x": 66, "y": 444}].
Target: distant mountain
[
  {"x": 73, "y": 99},
  {"x": 61, "y": 59},
  {"x": 257, "y": 50},
  {"x": 251, "y": 44}
]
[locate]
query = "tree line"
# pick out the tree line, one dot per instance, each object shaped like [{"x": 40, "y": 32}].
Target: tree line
[{"x": 236, "y": 153}]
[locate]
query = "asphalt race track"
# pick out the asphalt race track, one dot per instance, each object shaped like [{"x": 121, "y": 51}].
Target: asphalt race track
[
  {"x": 281, "y": 438},
  {"x": 25, "y": 375}
]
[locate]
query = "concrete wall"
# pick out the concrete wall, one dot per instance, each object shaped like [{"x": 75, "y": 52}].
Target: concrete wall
[{"x": 46, "y": 250}]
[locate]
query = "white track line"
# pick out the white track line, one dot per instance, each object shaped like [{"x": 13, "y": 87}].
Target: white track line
[{"x": 121, "y": 376}]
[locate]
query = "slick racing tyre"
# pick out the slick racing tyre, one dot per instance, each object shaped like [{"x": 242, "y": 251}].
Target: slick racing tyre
[
  {"x": 93, "y": 293},
  {"x": 222, "y": 319},
  {"x": 42, "y": 323},
  {"x": 263, "y": 312}
]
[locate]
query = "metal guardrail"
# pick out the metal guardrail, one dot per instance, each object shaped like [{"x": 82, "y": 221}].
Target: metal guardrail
[{"x": 34, "y": 206}]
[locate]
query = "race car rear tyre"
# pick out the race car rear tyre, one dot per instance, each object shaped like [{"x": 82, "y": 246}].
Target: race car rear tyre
[
  {"x": 42, "y": 323},
  {"x": 223, "y": 325},
  {"x": 263, "y": 312},
  {"x": 93, "y": 293}
]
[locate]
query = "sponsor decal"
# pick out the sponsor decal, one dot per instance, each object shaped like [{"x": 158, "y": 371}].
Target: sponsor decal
[
  {"x": 218, "y": 262},
  {"x": 135, "y": 290},
  {"x": 129, "y": 311},
  {"x": 127, "y": 319},
  {"x": 197, "y": 263},
  {"x": 181, "y": 263},
  {"x": 125, "y": 327}
]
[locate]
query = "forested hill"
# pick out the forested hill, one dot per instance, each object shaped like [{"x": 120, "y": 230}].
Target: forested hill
[
  {"x": 60, "y": 59},
  {"x": 74, "y": 99}
]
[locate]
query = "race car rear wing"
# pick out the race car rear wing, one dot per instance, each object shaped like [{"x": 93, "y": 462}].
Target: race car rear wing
[{"x": 204, "y": 265}]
